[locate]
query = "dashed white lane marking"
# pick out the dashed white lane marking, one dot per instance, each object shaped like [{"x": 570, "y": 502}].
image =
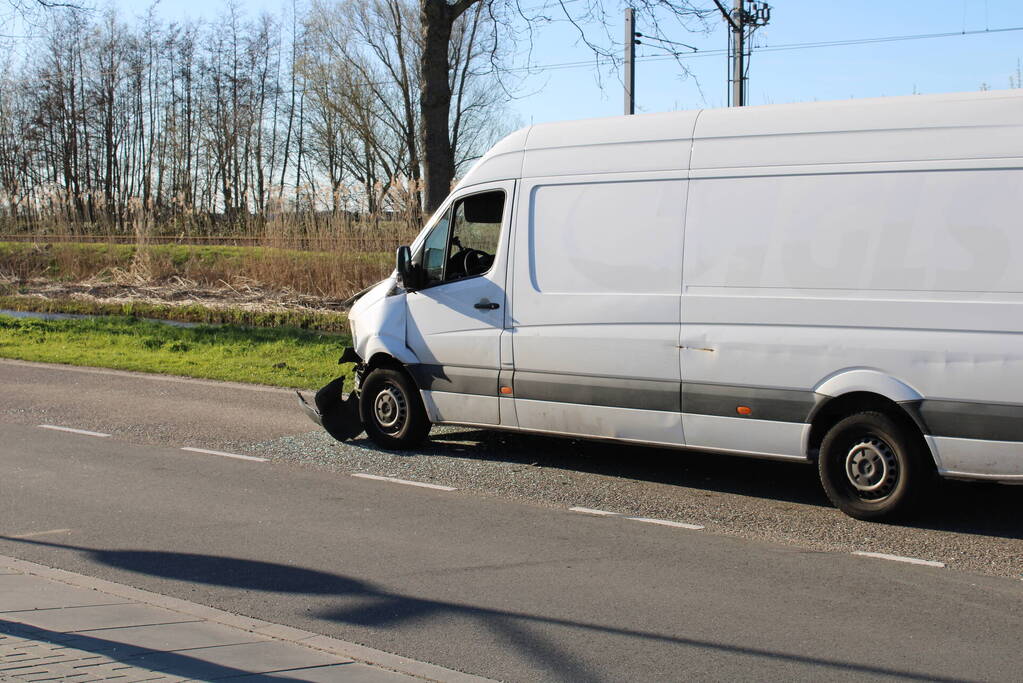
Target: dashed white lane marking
[
  {"x": 223, "y": 454},
  {"x": 666, "y": 522},
  {"x": 591, "y": 511},
  {"x": 395, "y": 480},
  {"x": 41, "y": 533},
  {"x": 899, "y": 558},
  {"x": 73, "y": 430},
  {"x": 648, "y": 520}
]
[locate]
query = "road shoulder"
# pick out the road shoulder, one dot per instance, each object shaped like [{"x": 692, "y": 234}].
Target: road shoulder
[{"x": 48, "y": 616}]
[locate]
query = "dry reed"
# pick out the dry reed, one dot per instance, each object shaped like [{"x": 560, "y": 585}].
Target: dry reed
[{"x": 312, "y": 253}]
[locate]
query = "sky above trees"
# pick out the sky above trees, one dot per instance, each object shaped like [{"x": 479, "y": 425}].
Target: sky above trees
[
  {"x": 225, "y": 107},
  {"x": 926, "y": 65}
]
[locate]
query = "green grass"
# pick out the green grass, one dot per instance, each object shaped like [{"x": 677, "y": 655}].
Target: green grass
[
  {"x": 286, "y": 357},
  {"x": 189, "y": 313}
]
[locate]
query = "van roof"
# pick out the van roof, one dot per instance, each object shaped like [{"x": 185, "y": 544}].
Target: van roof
[{"x": 654, "y": 142}]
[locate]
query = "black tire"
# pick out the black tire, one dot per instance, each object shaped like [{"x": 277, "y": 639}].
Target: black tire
[
  {"x": 392, "y": 411},
  {"x": 872, "y": 467}
]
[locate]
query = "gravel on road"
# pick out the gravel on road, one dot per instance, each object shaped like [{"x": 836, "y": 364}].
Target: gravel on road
[{"x": 969, "y": 526}]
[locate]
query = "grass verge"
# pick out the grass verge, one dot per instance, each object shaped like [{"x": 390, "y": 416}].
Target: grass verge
[
  {"x": 285, "y": 357},
  {"x": 186, "y": 313}
]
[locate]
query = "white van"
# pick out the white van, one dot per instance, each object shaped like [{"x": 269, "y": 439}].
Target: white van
[{"x": 836, "y": 282}]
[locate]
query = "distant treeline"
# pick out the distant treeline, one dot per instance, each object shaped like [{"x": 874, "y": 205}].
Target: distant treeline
[{"x": 223, "y": 125}]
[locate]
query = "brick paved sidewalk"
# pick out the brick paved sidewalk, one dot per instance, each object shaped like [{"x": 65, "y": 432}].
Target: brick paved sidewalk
[{"x": 56, "y": 625}]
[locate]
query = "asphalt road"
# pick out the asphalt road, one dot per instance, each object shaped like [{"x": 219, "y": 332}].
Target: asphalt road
[{"x": 498, "y": 578}]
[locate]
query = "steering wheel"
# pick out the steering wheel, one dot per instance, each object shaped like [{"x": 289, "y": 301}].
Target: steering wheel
[
  {"x": 456, "y": 264},
  {"x": 477, "y": 261}
]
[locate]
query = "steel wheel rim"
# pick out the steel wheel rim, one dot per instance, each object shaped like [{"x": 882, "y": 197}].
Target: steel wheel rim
[
  {"x": 871, "y": 468},
  {"x": 390, "y": 409}
]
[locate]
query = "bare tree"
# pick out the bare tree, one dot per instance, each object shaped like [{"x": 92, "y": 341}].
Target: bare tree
[
  {"x": 367, "y": 70},
  {"x": 348, "y": 107},
  {"x": 15, "y": 157}
]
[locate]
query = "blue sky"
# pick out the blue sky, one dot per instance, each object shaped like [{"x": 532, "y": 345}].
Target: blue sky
[{"x": 957, "y": 63}]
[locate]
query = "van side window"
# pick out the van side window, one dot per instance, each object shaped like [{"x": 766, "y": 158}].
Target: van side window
[
  {"x": 464, "y": 242},
  {"x": 476, "y": 229}
]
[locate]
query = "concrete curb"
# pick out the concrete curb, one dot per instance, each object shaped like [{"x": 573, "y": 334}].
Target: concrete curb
[{"x": 313, "y": 641}]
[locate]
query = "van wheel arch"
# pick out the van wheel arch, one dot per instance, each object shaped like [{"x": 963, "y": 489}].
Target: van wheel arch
[
  {"x": 381, "y": 360},
  {"x": 384, "y": 360},
  {"x": 833, "y": 410}
]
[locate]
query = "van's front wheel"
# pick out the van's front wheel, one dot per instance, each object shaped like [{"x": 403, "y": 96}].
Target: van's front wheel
[
  {"x": 871, "y": 467},
  {"x": 392, "y": 411}
]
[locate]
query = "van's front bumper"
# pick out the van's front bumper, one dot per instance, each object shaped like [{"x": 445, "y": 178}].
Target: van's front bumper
[
  {"x": 336, "y": 412},
  {"x": 311, "y": 411}
]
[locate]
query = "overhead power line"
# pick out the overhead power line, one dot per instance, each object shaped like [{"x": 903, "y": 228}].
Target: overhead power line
[
  {"x": 599, "y": 61},
  {"x": 605, "y": 61},
  {"x": 647, "y": 38},
  {"x": 886, "y": 39}
]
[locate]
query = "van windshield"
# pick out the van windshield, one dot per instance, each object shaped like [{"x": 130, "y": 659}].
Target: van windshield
[{"x": 434, "y": 250}]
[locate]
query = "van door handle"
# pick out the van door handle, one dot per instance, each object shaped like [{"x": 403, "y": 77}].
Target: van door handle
[{"x": 487, "y": 305}]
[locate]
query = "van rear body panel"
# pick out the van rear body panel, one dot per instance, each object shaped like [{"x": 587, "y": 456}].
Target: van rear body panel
[{"x": 881, "y": 235}]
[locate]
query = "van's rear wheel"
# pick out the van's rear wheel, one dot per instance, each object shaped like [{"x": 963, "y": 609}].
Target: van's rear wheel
[
  {"x": 392, "y": 411},
  {"x": 871, "y": 467}
]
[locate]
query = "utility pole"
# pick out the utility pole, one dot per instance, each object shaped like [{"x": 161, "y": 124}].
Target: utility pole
[
  {"x": 745, "y": 18},
  {"x": 738, "y": 55},
  {"x": 630, "y": 61}
]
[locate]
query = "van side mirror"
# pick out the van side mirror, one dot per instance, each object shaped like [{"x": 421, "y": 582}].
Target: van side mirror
[{"x": 406, "y": 269}]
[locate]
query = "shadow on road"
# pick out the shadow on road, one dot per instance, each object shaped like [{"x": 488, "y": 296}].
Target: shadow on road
[
  {"x": 778, "y": 480},
  {"x": 360, "y": 603},
  {"x": 985, "y": 509}
]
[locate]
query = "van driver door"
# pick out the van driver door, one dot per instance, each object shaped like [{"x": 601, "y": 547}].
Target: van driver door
[{"x": 455, "y": 321}]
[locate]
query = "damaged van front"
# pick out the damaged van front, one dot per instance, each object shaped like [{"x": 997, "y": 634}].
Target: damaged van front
[
  {"x": 377, "y": 323},
  {"x": 427, "y": 341}
]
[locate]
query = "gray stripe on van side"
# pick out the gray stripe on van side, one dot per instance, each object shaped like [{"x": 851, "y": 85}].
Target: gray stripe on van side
[
  {"x": 778, "y": 405},
  {"x": 455, "y": 379},
  {"x": 971, "y": 420},
  {"x": 955, "y": 419},
  {"x": 641, "y": 394}
]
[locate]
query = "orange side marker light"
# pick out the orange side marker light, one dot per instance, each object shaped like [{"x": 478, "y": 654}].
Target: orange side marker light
[
  {"x": 744, "y": 410},
  {"x": 506, "y": 391}
]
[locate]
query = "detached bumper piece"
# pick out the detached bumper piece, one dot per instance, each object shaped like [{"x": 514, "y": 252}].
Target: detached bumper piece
[
  {"x": 311, "y": 411},
  {"x": 336, "y": 412}
]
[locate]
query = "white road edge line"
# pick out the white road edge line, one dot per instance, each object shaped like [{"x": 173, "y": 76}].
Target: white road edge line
[
  {"x": 591, "y": 511},
  {"x": 395, "y": 480},
  {"x": 899, "y": 558},
  {"x": 221, "y": 453},
  {"x": 41, "y": 533},
  {"x": 86, "y": 432},
  {"x": 666, "y": 522}
]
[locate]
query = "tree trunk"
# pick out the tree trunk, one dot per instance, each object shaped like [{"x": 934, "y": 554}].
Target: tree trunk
[{"x": 435, "y": 102}]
